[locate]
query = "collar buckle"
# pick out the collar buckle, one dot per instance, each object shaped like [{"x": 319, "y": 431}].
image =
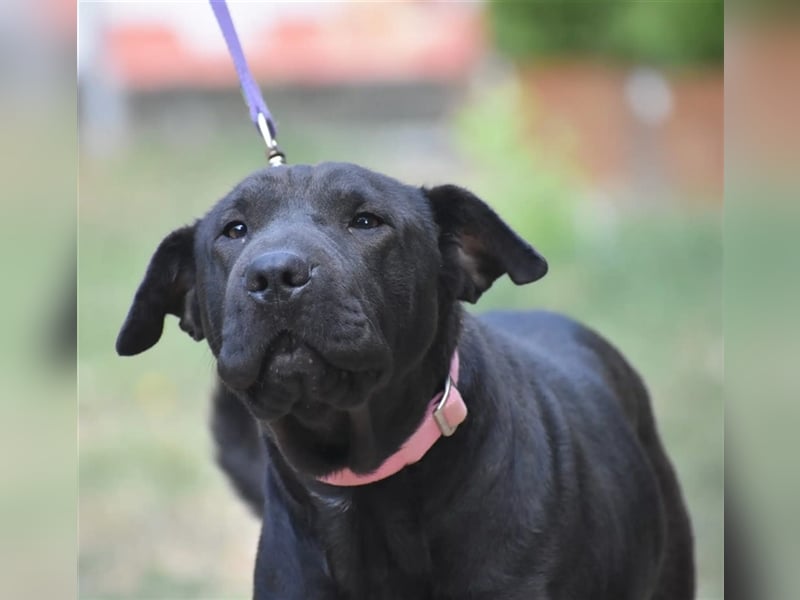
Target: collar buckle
[{"x": 439, "y": 412}]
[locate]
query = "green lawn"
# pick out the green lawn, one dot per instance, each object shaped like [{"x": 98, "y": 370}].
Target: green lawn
[{"x": 157, "y": 519}]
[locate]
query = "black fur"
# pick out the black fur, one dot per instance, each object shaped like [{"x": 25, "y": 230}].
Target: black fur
[{"x": 332, "y": 331}]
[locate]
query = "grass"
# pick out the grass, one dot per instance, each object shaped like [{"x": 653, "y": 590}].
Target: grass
[{"x": 157, "y": 519}]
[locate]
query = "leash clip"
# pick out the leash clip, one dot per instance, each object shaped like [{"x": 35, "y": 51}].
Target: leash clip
[{"x": 275, "y": 156}]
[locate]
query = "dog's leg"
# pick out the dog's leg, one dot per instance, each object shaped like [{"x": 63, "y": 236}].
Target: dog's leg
[
  {"x": 677, "y": 577},
  {"x": 290, "y": 564}
]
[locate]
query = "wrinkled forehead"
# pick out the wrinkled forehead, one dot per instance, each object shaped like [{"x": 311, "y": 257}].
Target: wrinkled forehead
[{"x": 327, "y": 186}]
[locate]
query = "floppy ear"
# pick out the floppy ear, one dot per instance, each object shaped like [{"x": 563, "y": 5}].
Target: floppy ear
[
  {"x": 477, "y": 246},
  {"x": 168, "y": 287}
]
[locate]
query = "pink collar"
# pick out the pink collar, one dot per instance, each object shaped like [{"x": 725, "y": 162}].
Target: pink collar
[{"x": 445, "y": 413}]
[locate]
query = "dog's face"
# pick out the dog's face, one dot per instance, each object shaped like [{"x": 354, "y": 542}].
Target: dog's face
[{"x": 316, "y": 287}]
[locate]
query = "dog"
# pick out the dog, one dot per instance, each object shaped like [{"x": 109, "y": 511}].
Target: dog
[{"x": 395, "y": 446}]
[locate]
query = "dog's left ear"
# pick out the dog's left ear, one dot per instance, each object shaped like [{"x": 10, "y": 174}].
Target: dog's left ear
[
  {"x": 476, "y": 245},
  {"x": 168, "y": 288}
]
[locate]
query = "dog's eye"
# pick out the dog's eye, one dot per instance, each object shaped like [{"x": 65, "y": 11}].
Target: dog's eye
[
  {"x": 235, "y": 230},
  {"x": 365, "y": 220}
]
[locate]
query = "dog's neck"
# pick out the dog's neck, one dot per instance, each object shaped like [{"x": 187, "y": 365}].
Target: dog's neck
[
  {"x": 445, "y": 413},
  {"x": 394, "y": 416}
]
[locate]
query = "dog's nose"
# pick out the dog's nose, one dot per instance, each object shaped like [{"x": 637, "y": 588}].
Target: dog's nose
[{"x": 274, "y": 275}]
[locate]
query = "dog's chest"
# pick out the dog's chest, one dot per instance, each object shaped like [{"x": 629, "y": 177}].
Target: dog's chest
[{"x": 376, "y": 550}]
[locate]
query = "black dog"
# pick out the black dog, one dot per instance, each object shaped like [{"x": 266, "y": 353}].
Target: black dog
[{"x": 330, "y": 297}]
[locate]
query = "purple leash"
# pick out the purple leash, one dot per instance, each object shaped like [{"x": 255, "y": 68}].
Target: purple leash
[{"x": 259, "y": 113}]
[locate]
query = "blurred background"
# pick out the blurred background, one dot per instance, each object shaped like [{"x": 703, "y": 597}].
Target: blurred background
[
  {"x": 595, "y": 129},
  {"x": 38, "y": 176}
]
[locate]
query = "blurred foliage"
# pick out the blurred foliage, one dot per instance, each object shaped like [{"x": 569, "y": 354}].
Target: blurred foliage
[
  {"x": 658, "y": 33},
  {"x": 538, "y": 187},
  {"x": 764, "y": 9},
  {"x": 37, "y": 409}
]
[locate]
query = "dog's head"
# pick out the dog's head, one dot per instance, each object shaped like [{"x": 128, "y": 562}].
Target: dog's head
[{"x": 316, "y": 287}]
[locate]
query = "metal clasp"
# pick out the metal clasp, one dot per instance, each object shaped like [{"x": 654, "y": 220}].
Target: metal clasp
[
  {"x": 275, "y": 156},
  {"x": 438, "y": 412}
]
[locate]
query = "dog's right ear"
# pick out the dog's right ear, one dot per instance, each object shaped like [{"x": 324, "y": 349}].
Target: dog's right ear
[{"x": 168, "y": 288}]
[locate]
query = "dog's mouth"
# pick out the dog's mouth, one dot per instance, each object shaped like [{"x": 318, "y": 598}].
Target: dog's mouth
[{"x": 293, "y": 376}]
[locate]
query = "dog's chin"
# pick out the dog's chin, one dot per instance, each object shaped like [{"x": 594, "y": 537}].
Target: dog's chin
[
  {"x": 305, "y": 400},
  {"x": 297, "y": 380}
]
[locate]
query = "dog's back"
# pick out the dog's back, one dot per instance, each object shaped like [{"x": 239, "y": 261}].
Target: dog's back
[{"x": 572, "y": 348}]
